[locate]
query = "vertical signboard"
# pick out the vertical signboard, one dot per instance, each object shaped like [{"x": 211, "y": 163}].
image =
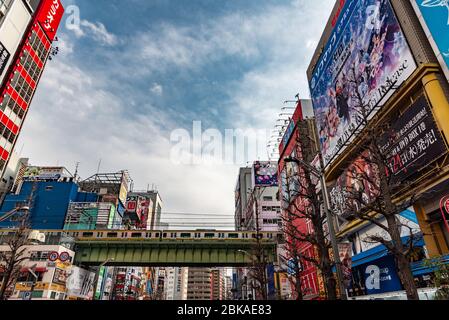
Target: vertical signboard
[
  {"x": 434, "y": 17},
  {"x": 49, "y": 17},
  {"x": 364, "y": 60}
]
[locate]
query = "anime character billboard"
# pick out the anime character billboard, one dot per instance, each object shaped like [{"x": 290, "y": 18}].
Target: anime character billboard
[{"x": 365, "y": 60}]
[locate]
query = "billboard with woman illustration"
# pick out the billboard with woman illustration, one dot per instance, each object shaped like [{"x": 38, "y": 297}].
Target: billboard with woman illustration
[{"x": 364, "y": 61}]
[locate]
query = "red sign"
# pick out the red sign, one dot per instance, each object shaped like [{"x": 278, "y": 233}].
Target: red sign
[
  {"x": 444, "y": 207},
  {"x": 49, "y": 16},
  {"x": 53, "y": 256}
]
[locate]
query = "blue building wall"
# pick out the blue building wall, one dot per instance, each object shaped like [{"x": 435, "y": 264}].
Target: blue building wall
[{"x": 50, "y": 205}]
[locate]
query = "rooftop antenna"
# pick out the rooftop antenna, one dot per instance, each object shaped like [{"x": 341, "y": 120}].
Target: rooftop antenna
[
  {"x": 76, "y": 170},
  {"x": 98, "y": 168}
]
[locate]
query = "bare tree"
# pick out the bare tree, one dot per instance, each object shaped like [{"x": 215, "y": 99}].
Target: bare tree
[
  {"x": 369, "y": 189},
  {"x": 259, "y": 264},
  {"x": 304, "y": 206},
  {"x": 11, "y": 260}
]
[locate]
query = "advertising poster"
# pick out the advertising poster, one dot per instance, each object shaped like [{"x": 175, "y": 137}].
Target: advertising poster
[
  {"x": 80, "y": 283},
  {"x": 412, "y": 142},
  {"x": 434, "y": 17},
  {"x": 60, "y": 277},
  {"x": 380, "y": 276},
  {"x": 265, "y": 173},
  {"x": 367, "y": 53},
  {"x": 345, "y": 252},
  {"x": 352, "y": 191}
]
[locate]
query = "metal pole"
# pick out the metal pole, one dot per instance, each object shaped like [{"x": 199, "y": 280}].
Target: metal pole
[{"x": 332, "y": 235}]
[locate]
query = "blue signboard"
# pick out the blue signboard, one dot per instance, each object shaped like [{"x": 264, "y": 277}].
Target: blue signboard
[
  {"x": 270, "y": 280},
  {"x": 380, "y": 276},
  {"x": 434, "y": 16}
]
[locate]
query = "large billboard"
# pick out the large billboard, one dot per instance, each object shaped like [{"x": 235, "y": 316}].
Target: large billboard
[
  {"x": 434, "y": 17},
  {"x": 265, "y": 174},
  {"x": 367, "y": 53}
]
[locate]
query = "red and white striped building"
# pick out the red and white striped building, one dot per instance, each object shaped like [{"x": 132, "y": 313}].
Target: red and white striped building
[{"x": 27, "y": 30}]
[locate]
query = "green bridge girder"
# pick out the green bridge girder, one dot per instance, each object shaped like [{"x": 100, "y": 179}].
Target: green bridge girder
[{"x": 164, "y": 253}]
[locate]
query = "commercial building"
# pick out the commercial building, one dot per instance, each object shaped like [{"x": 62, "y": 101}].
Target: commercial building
[
  {"x": 218, "y": 284},
  {"x": 27, "y": 30},
  {"x": 127, "y": 284},
  {"x": 392, "y": 50},
  {"x": 52, "y": 264},
  {"x": 176, "y": 283},
  {"x": 243, "y": 190},
  {"x": 48, "y": 191},
  {"x": 298, "y": 143},
  {"x": 144, "y": 209},
  {"x": 199, "y": 284},
  {"x": 15, "y": 166}
]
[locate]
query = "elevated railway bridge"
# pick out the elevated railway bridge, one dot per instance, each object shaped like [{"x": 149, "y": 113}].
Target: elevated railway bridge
[{"x": 195, "y": 248}]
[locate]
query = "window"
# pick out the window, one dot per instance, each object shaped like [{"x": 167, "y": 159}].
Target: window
[
  {"x": 48, "y": 188},
  {"x": 267, "y": 198},
  {"x": 53, "y": 295}
]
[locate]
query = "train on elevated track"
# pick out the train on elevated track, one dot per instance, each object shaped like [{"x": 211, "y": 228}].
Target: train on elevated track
[{"x": 162, "y": 235}]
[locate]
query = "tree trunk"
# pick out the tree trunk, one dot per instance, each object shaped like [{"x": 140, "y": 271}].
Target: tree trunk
[
  {"x": 6, "y": 279},
  {"x": 402, "y": 263}
]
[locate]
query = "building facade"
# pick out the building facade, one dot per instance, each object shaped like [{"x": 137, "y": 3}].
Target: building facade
[
  {"x": 295, "y": 222},
  {"x": 27, "y": 30},
  {"x": 401, "y": 84}
]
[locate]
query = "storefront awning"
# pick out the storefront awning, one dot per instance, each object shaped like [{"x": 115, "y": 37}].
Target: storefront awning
[
  {"x": 377, "y": 252},
  {"x": 419, "y": 268}
]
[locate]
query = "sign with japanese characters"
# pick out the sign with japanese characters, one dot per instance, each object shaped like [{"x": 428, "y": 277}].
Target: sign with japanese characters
[{"x": 412, "y": 142}]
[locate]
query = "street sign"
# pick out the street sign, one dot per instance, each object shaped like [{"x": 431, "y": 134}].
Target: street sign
[
  {"x": 64, "y": 256},
  {"x": 53, "y": 256},
  {"x": 26, "y": 295}
]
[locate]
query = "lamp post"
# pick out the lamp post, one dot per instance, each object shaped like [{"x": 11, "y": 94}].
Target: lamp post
[
  {"x": 330, "y": 220},
  {"x": 97, "y": 275}
]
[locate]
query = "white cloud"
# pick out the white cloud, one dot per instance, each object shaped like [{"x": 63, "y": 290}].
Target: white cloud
[
  {"x": 95, "y": 30},
  {"x": 157, "y": 89}
]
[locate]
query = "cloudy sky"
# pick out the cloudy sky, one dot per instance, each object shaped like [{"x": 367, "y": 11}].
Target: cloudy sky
[{"x": 133, "y": 71}]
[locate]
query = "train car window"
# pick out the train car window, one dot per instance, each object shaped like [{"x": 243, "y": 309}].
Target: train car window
[
  {"x": 233, "y": 235},
  {"x": 111, "y": 235},
  {"x": 88, "y": 234},
  {"x": 136, "y": 235},
  {"x": 209, "y": 235},
  {"x": 173, "y": 235},
  {"x": 157, "y": 235},
  {"x": 186, "y": 235},
  {"x": 164, "y": 235},
  {"x": 254, "y": 236}
]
